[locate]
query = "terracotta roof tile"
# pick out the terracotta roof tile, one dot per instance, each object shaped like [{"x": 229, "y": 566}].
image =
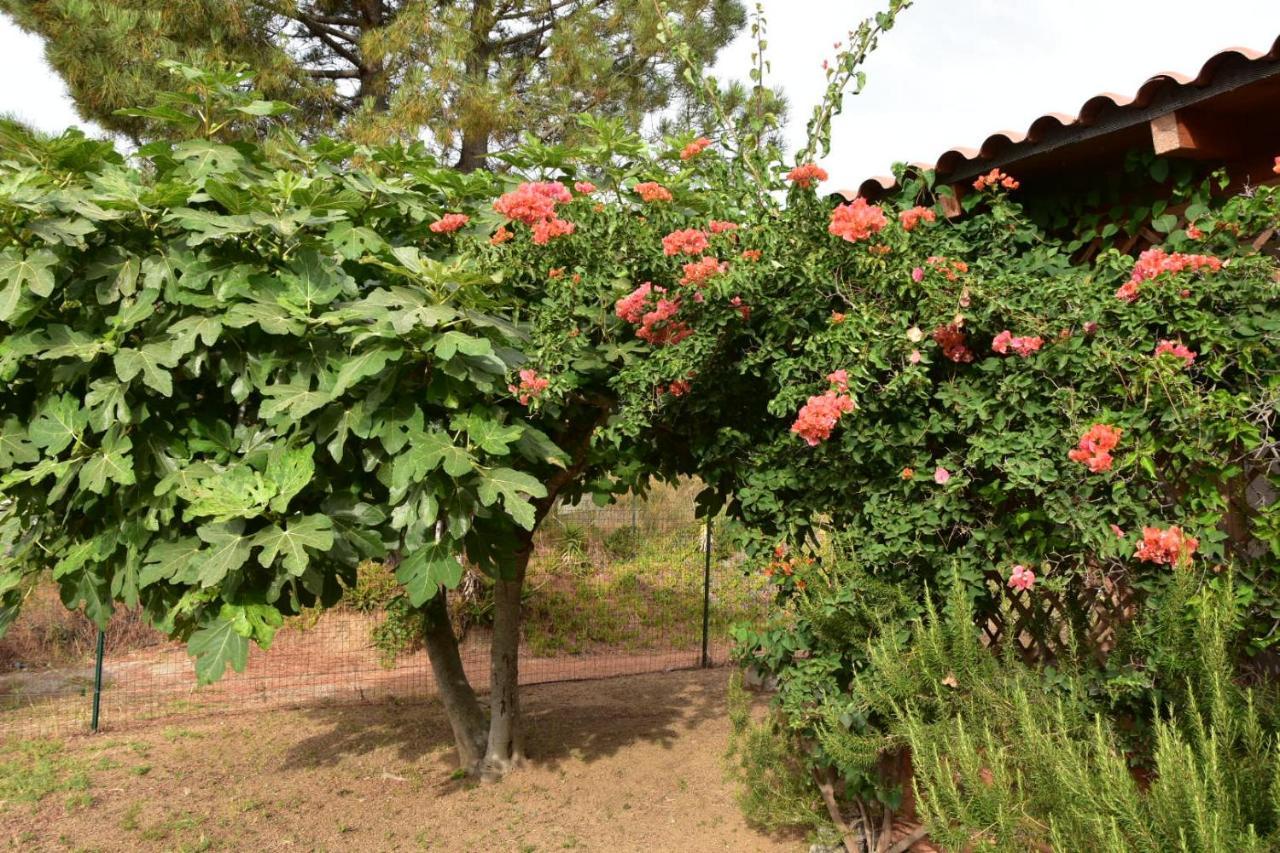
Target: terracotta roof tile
[{"x": 1009, "y": 145}]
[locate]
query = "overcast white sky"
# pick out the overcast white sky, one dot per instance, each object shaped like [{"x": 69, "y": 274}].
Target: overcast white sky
[{"x": 951, "y": 73}]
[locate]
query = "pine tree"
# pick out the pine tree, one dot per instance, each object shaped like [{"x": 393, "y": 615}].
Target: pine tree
[{"x": 467, "y": 76}]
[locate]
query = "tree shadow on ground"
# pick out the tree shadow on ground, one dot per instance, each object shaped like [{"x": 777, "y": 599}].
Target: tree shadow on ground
[{"x": 581, "y": 721}]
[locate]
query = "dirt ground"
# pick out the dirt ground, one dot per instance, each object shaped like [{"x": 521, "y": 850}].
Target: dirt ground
[{"x": 624, "y": 764}]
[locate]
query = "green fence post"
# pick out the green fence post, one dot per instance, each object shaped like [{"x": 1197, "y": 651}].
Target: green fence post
[
  {"x": 706, "y": 596},
  {"x": 97, "y": 680}
]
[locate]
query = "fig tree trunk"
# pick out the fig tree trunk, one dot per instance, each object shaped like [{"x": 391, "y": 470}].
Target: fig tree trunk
[
  {"x": 463, "y": 710},
  {"x": 505, "y": 749}
]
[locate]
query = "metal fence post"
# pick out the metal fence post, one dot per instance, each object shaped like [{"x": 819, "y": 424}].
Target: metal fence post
[
  {"x": 97, "y": 679},
  {"x": 706, "y": 596}
]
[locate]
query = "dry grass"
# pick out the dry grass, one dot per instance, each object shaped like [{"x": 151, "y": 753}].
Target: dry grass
[{"x": 623, "y": 764}]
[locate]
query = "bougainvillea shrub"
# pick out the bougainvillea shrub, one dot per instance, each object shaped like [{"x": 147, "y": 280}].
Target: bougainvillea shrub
[{"x": 920, "y": 403}]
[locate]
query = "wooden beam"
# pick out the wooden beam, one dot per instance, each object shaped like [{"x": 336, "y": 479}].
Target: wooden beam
[{"x": 1193, "y": 135}]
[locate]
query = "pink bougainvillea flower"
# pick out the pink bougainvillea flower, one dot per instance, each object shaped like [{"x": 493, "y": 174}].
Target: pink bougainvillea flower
[
  {"x": 585, "y": 187},
  {"x": 907, "y": 473},
  {"x": 839, "y": 379},
  {"x": 1276, "y": 167},
  {"x": 1176, "y": 349},
  {"x": 501, "y": 236},
  {"x": 752, "y": 255},
  {"x": 1090, "y": 327},
  {"x": 806, "y": 174},
  {"x": 532, "y": 202},
  {"x": 819, "y": 416},
  {"x": 1155, "y": 261},
  {"x": 1022, "y": 578},
  {"x": 449, "y": 223},
  {"x": 1118, "y": 531},
  {"x": 631, "y": 307},
  {"x": 1095, "y": 446},
  {"x": 689, "y": 241},
  {"x": 1005, "y": 341},
  {"x": 703, "y": 269},
  {"x": 994, "y": 179},
  {"x": 720, "y": 226},
  {"x": 678, "y": 388},
  {"x": 941, "y": 476},
  {"x": 648, "y": 308},
  {"x": 914, "y": 357},
  {"x": 836, "y": 318},
  {"x": 913, "y": 217},
  {"x": 694, "y": 148},
  {"x": 530, "y": 388},
  {"x": 856, "y": 221},
  {"x": 917, "y": 275},
  {"x": 545, "y": 230},
  {"x": 649, "y": 191},
  {"x": 744, "y": 310},
  {"x": 1165, "y": 546},
  {"x": 1193, "y": 232}
]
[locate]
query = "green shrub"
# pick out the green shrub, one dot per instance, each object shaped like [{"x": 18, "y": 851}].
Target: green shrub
[
  {"x": 375, "y": 587},
  {"x": 1008, "y": 758},
  {"x": 622, "y": 543}
]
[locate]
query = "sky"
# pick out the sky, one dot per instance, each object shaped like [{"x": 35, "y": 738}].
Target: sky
[{"x": 951, "y": 73}]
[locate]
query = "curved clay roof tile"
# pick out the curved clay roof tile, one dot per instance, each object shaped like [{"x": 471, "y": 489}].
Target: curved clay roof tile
[{"x": 954, "y": 158}]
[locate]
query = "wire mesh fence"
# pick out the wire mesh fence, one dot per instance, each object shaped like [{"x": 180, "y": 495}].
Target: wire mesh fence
[{"x": 614, "y": 590}]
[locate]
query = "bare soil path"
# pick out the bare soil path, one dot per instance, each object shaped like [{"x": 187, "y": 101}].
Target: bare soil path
[{"x": 624, "y": 764}]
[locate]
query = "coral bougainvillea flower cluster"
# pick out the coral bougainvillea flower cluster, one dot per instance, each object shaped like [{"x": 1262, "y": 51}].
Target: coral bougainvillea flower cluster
[
  {"x": 648, "y": 308},
  {"x": 951, "y": 268},
  {"x": 1156, "y": 261},
  {"x": 530, "y": 388},
  {"x": 449, "y": 223},
  {"x": 720, "y": 226},
  {"x": 1095, "y": 446},
  {"x": 687, "y": 241},
  {"x": 953, "y": 342},
  {"x": 857, "y": 220},
  {"x": 694, "y": 148},
  {"x": 1023, "y": 346},
  {"x": 914, "y": 216},
  {"x": 806, "y": 175},
  {"x": 650, "y": 191},
  {"x": 1176, "y": 349},
  {"x": 785, "y": 566},
  {"x": 820, "y": 414},
  {"x": 534, "y": 204},
  {"x": 1165, "y": 547},
  {"x": 698, "y": 272},
  {"x": 993, "y": 179}
]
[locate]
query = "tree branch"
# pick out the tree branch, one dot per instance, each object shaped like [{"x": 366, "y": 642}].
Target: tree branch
[{"x": 334, "y": 73}]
